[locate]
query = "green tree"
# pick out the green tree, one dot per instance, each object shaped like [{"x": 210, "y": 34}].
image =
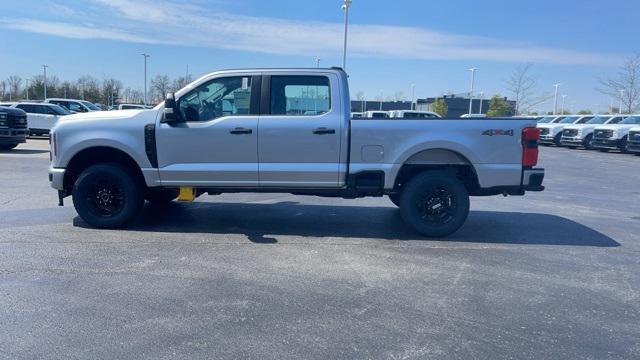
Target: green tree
[
  {"x": 440, "y": 107},
  {"x": 585, "y": 112},
  {"x": 498, "y": 106}
]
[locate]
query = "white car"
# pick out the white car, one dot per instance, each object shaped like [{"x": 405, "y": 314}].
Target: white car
[
  {"x": 577, "y": 135},
  {"x": 473, "y": 116},
  {"x": 77, "y": 106},
  {"x": 551, "y": 133},
  {"x": 614, "y": 136},
  {"x": 633, "y": 140},
  {"x": 377, "y": 115},
  {"x": 358, "y": 115},
  {"x": 414, "y": 114},
  {"x": 41, "y": 117}
]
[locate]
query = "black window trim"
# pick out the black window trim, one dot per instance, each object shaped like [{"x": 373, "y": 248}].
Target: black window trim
[{"x": 265, "y": 103}]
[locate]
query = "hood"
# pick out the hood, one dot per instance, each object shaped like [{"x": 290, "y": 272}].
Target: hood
[
  {"x": 102, "y": 115},
  {"x": 616, "y": 126},
  {"x": 552, "y": 126}
]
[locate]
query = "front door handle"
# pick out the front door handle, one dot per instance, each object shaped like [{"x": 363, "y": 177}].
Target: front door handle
[
  {"x": 324, "y": 130},
  {"x": 239, "y": 131}
]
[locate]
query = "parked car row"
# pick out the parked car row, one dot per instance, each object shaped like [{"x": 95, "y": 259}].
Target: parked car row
[
  {"x": 43, "y": 115},
  {"x": 397, "y": 114},
  {"x": 601, "y": 132}
]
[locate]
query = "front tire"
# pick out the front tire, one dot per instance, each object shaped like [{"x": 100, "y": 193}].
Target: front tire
[
  {"x": 7, "y": 147},
  {"x": 435, "y": 204},
  {"x": 395, "y": 199},
  {"x": 623, "y": 145},
  {"x": 557, "y": 140},
  {"x": 107, "y": 196}
]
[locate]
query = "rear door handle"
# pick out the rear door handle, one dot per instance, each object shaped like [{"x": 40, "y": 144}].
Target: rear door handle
[
  {"x": 324, "y": 130},
  {"x": 239, "y": 131}
]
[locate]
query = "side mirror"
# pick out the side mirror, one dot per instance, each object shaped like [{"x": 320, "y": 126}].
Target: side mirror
[{"x": 171, "y": 114}]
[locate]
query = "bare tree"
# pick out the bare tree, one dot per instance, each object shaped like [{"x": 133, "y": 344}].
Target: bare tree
[
  {"x": 14, "y": 82},
  {"x": 360, "y": 96},
  {"x": 522, "y": 85},
  {"x": 160, "y": 86},
  {"x": 626, "y": 86}
]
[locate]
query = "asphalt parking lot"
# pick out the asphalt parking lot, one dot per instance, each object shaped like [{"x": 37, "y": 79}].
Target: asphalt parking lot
[{"x": 273, "y": 276}]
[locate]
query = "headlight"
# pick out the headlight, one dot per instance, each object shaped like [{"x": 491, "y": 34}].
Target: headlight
[
  {"x": 579, "y": 132},
  {"x": 614, "y": 134},
  {"x": 3, "y": 119}
]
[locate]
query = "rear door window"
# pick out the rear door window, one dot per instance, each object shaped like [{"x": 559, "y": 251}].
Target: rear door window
[{"x": 300, "y": 95}]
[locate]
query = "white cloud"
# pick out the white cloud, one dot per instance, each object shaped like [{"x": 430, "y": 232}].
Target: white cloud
[{"x": 173, "y": 23}]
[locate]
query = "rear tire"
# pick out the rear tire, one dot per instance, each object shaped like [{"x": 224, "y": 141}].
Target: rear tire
[
  {"x": 160, "y": 196},
  {"x": 435, "y": 204},
  {"x": 7, "y": 147},
  {"x": 107, "y": 196}
]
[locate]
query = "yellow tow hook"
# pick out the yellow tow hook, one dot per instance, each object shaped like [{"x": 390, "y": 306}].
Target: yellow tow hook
[{"x": 187, "y": 193}]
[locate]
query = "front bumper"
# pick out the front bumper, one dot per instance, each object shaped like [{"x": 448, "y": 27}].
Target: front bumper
[
  {"x": 56, "y": 178},
  {"x": 633, "y": 146},
  {"x": 546, "y": 139},
  {"x": 571, "y": 141},
  {"x": 605, "y": 143},
  {"x": 13, "y": 136}
]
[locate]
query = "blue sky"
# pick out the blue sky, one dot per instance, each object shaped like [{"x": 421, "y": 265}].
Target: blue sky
[{"x": 392, "y": 44}]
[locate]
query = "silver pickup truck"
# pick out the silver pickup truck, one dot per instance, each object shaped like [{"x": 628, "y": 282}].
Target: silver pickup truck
[{"x": 290, "y": 131}]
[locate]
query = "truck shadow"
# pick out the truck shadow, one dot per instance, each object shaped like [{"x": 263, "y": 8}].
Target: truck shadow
[{"x": 262, "y": 223}]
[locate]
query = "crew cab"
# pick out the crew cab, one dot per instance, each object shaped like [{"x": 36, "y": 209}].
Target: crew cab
[
  {"x": 287, "y": 131},
  {"x": 77, "y": 106},
  {"x": 41, "y": 116},
  {"x": 13, "y": 127},
  {"x": 551, "y": 133},
  {"x": 577, "y": 135},
  {"x": 614, "y": 136},
  {"x": 633, "y": 140},
  {"x": 413, "y": 114}
]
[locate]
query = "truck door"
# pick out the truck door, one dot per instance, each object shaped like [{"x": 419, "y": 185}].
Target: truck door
[
  {"x": 300, "y": 131},
  {"x": 217, "y": 144}
]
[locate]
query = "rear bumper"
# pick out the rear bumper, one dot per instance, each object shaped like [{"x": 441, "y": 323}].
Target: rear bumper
[
  {"x": 605, "y": 143},
  {"x": 531, "y": 181},
  {"x": 13, "y": 136}
]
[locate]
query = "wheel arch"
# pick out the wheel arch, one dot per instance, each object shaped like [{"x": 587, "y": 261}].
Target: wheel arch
[
  {"x": 99, "y": 155},
  {"x": 441, "y": 159}
]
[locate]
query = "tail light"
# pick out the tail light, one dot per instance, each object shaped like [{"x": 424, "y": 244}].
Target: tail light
[{"x": 530, "y": 137}]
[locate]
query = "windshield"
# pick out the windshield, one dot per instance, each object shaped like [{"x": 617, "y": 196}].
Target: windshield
[
  {"x": 546, "y": 119},
  {"x": 598, "y": 120},
  {"x": 568, "y": 120},
  {"x": 584, "y": 120},
  {"x": 631, "y": 120},
  {"x": 60, "y": 110},
  {"x": 90, "y": 106},
  {"x": 615, "y": 120}
]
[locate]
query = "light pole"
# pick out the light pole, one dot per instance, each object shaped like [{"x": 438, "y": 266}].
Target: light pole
[
  {"x": 555, "y": 99},
  {"x": 317, "y": 62},
  {"x": 381, "y": 98},
  {"x": 621, "y": 97},
  {"x": 27, "y": 81},
  {"x": 44, "y": 67},
  {"x": 481, "y": 99},
  {"x": 473, "y": 80},
  {"x": 563, "y": 98},
  {"x": 413, "y": 96},
  {"x": 145, "y": 76},
  {"x": 345, "y": 7}
]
